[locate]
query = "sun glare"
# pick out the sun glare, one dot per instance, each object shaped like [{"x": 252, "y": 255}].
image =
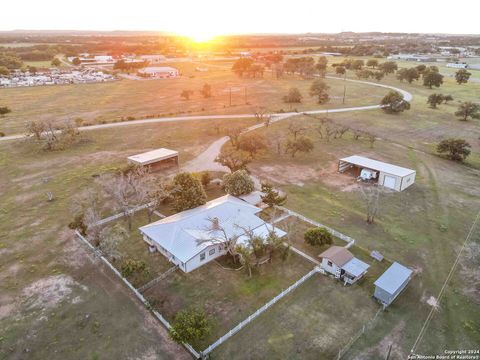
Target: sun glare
[{"x": 199, "y": 36}]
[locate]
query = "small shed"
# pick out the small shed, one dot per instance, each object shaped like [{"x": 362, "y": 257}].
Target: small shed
[
  {"x": 156, "y": 159},
  {"x": 391, "y": 176},
  {"x": 391, "y": 283},
  {"x": 341, "y": 263}
]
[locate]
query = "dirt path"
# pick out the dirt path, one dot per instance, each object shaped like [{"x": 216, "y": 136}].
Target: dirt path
[
  {"x": 206, "y": 160},
  {"x": 406, "y": 95}
]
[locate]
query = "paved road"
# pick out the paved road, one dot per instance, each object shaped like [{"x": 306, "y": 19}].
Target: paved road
[{"x": 407, "y": 96}]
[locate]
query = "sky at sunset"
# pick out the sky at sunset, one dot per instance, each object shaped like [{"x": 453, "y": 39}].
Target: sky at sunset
[{"x": 203, "y": 19}]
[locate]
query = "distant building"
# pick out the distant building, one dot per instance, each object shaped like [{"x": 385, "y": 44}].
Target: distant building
[
  {"x": 457, "y": 65},
  {"x": 94, "y": 60},
  {"x": 160, "y": 72},
  {"x": 412, "y": 57},
  {"x": 154, "y": 59}
]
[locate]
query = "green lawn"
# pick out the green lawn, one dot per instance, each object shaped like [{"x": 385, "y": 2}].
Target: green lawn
[{"x": 228, "y": 296}]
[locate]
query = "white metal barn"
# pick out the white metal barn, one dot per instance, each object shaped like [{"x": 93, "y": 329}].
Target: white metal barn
[{"x": 391, "y": 176}]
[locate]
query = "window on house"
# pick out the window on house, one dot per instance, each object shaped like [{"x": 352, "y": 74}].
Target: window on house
[
  {"x": 202, "y": 256},
  {"x": 211, "y": 252},
  {"x": 329, "y": 263}
]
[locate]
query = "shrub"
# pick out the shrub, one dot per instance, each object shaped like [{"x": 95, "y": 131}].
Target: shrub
[
  {"x": 318, "y": 236},
  {"x": 205, "y": 178},
  {"x": 238, "y": 183},
  {"x": 188, "y": 192},
  {"x": 78, "y": 224},
  {"x": 189, "y": 326},
  {"x": 131, "y": 266}
]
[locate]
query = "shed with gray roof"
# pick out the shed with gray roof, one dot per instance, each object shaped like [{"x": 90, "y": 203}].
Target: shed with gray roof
[{"x": 391, "y": 283}]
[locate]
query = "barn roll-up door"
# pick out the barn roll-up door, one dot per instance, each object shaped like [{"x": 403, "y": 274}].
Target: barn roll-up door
[{"x": 389, "y": 182}]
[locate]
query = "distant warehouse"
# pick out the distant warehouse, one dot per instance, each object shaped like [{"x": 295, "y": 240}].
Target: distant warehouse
[
  {"x": 391, "y": 176},
  {"x": 159, "y": 72},
  {"x": 153, "y": 59}
]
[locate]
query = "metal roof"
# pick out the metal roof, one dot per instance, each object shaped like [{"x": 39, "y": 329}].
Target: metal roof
[
  {"x": 378, "y": 165},
  {"x": 189, "y": 232},
  {"x": 355, "y": 267},
  {"x": 337, "y": 254},
  {"x": 153, "y": 156},
  {"x": 392, "y": 279},
  {"x": 254, "y": 198},
  {"x": 155, "y": 69}
]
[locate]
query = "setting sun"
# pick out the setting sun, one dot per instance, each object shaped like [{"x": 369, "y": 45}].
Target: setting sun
[{"x": 201, "y": 36}]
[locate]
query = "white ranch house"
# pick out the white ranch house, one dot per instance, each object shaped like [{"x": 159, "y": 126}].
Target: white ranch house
[
  {"x": 191, "y": 238},
  {"x": 341, "y": 263},
  {"x": 390, "y": 176}
]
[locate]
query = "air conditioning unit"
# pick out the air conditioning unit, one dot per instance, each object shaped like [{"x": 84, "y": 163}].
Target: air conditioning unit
[{"x": 367, "y": 174}]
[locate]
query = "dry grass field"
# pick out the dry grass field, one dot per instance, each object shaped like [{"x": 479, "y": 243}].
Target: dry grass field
[
  {"x": 107, "y": 102},
  {"x": 50, "y": 285},
  {"x": 422, "y": 227}
]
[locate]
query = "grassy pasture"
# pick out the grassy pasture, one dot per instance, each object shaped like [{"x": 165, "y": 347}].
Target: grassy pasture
[
  {"x": 71, "y": 291},
  {"x": 313, "y": 322},
  {"x": 105, "y": 102},
  {"x": 421, "y": 227},
  {"x": 228, "y": 296}
]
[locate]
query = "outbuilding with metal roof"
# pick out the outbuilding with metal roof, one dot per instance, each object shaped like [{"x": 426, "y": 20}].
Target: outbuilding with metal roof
[
  {"x": 391, "y": 283},
  {"x": 391, "y": 176},
  {"x": 155, "y": 159}
]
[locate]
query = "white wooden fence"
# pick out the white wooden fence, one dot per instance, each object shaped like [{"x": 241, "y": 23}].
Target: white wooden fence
[
  {"x": 350, "y": 241},
  {"x": 122, "y": 214},
  {"x": 249, "y": 319},
  {"x": 301, "y": 253},
  {"x": 155, "y": 281},
  {"x": 135, "y": 291}
]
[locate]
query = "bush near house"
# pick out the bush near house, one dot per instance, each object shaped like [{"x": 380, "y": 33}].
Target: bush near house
[
  {"x": 188, "y": 192},
  {"x": 318, "y": 236},
  {"x": 238, "y": 183}
]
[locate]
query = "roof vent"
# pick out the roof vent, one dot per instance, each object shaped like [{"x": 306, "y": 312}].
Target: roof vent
[{"x": 215, "y": 223}]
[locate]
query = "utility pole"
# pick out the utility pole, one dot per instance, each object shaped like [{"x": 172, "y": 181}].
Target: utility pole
[
  {"x": 344, "y": 86},
  {"x": 389, "y": 351}
]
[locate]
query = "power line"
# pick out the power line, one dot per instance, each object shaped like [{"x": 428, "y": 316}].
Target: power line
[{"x": 447, "y": 280}]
